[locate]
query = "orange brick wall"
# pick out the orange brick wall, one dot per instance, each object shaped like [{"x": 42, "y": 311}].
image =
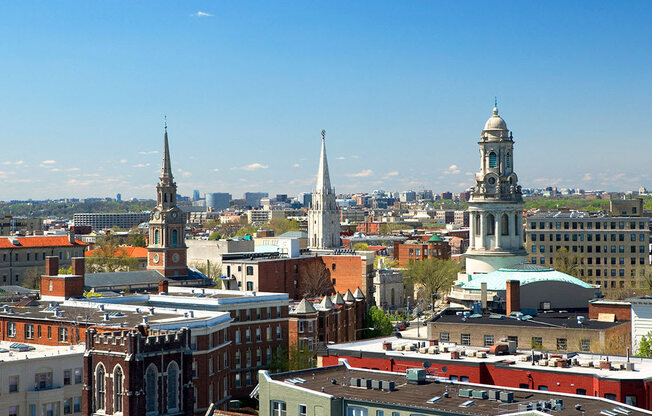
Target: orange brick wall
[
  {"x": 53, "y": 339},
  {"x": 347, "y": 272},
  {"x": 622, "y": 312},
  {"x": 62, "y": 286}
]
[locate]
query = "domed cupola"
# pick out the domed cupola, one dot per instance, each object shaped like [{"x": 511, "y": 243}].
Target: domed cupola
[{"x": 495, "y": 122}]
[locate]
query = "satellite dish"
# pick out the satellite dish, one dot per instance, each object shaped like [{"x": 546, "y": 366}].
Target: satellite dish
[
  {"x": 426, "y": 364},
  {"x": 444, "y": 369}
]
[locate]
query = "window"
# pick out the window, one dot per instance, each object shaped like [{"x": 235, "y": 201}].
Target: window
[
  {"x": 537, "y": 342},
  {"x": 238, "y": 339},
  {"x": 585, "y": 345},
  {"x": 238, "y": 359},
  {"x": 78, "y": 375},
  {"x": 175, "y": 238},
  {"x": 508, "y": 160},
  {"x": 151, "y": 389},
  {"x": 492, "y": 160},
  {"x": 465, "y": 339},
  {"x": 543, "y": 388},
  {"x": 610, "y": 396},
  {"x": 488, "y": 340},
  {"x": 248, "y": 335},
  {"x": 279, "y": 334},
  {"x": 157, "y": 237},
  {"x": 504, "y": 224},
  {"x": 67, "y": 377},
  {"x": 268, "y": 333},
  {"x": 67, "y": 406},
  {"x": 443, "y": 336},
  {"x": 279, "y": 408},
  {"x": 76, "y": 404},
  {"x": 250, "y": 270},
  {"x": 581, "y": 392},
  {"x": 13, "y": 384},
  {"x": 631, "y": 400},
  {"x": 491, "y": 224},
  {"x": 561, "y": 344},
  {"x": 247, "y": 379},
  {"x": 99, "y": 387},
  {"x": 303, "y": 410},
  {"x": 259, "y": 336},
  {"x": 248, "y": 358},
  {"x": 117, "y": 389},
  {"x": 238, "y": 383},
  {"x": 63, "y": 334},
  {"x": 173, "y": 387},
  {"x": 250, "y": 286},
  {"x": 29, "y": 331},
  {"x": 11, "y": 329},
  {"x": 13, "y": 411}
]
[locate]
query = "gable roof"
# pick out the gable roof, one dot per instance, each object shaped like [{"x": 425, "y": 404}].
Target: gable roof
[
  {"x": 39, "y": 241},
  {"x": 123, "y": 251}
]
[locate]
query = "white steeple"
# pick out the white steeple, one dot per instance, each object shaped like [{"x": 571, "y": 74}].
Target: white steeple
[{"x": 323, "y": 217}]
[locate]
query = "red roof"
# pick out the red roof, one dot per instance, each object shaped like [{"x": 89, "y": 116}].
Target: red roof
[
  {"x": 124, "y": 251},
  {"x": 39, "y": 241}
]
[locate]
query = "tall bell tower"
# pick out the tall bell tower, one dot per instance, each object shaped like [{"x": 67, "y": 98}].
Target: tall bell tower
[
  {"x": 167, "y": 244},
  {"x": 496, "y": 203},
  {"x": 323, "y": 217}
]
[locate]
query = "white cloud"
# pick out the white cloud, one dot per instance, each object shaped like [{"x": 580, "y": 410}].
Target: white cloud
[
  {"x": 392, "y": 173},
  {"x": 151, "y": 152},
  {"x": 252, "y": 166},
  {"x": 355, "y": 157},
  {"x": 202, "y": 14},
  {"x": 216, "y": 169},
  {"x": 141, "y": 165},
  {"x": 363, "y": 173},
  {"x": 186, "y": 174},
  {"x": 340, "y": 158},
  {"x": 453, "y": 169},
  {"x": 587, "y": 177},
  {"x": 296, "y": 165},
  {"x": 123, "y": 160},
  {"x": 49, "y": 162}
]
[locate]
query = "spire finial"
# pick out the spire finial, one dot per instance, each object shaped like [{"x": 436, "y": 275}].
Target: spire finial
[
  {"x": 495, "y": 102},
  {"x": 323, "y": 134},
  {"x": 165, "y": 122}
]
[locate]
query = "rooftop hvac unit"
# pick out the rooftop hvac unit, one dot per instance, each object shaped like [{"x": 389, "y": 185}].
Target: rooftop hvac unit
[
  {"x": 416, "y": 375},
  {"x": 507, "y": 396},
  {"x": 465, "y": 393}
]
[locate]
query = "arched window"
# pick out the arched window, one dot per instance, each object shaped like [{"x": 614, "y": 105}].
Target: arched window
[
  {"x": 478, "y": 224},
  {"x": 508, "y": 160},
  {"x": 175, "y": 237},
  {"x": 100, "y": 387},
  {"x": 491, "y": 224},
  {"x": 117, "y": 389},
  {"x": 504, "y": 225},
  {"x": 165, "y": 197},
  {"x": 492, "y": 160},
  {"x": 151, "y": 390},
  {"x": 173, "y": 387},
  {"x": 516, "y": 224},
  {"x": 391, "y": 298},
  {"x": 157, "y": 236}
]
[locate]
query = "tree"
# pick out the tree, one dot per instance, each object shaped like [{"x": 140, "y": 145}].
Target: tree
[
  {"x": 645, "y": 346},
  {"x": 432, "y": 276},
  {"x": 315, "y": 280},
  {"x": 136, "y": 238},
  {"x": 109, "y": 256},
  {"x": 361, "y": 247},
  {"x": 295, "y": 357},
  {"x": 566, "y": 262},
  {"x": 387, "y": 228},
  {"x": 211, "y": 270},
  {"x": 247, "y": 230},
  {"x": 378, "y": 324},
  {"x": 387, "y": 262},
  {"x": 32, "y": 277},
  {"x": 215, "y": 235},
  {"x": 283, "y": 225}
]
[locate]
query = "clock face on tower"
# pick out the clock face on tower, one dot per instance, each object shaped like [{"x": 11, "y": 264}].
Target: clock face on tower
[
  {"x": 157, "y": 215},
  {"x": 176, "y": 258},
  {"x": 155, "y": 258},
  {"x": 174, "y": 214}
]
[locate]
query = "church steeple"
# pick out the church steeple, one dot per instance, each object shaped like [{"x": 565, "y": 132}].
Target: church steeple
[
  {"x": 167, "y": 247},
  {"x": 166, "y": 168},
  {"x": 323, "y": 177},
  {"x": 323, "y": 218}
]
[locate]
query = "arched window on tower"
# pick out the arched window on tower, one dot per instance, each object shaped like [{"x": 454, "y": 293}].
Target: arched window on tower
[
  {"x": 151, "y": 390},
  {"x": 504, "y": 224},
  {"x": 173, "y": 387},
  {"x": 117, "y": 389},
  {"x": 508, "y": 160},
  {"x": 100, "y": 388},
  {"x": 165, "y": 197},
  {"x": 492, "y": 160},
  {"x": 175, "y": 238},
  {"x": 491, "y": 224},
  {"x": 157, "y": 236},
  {"x": 516, "y": 224},
  {"x": 478, "y": 224}
]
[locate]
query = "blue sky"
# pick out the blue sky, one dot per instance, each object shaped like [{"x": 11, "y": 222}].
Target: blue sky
[{"x": 402, "y": 89}]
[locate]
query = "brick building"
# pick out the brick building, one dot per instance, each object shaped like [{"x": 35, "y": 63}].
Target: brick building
[
  {"x": 417, "y": 249},
  {"x": 19, "y": 255}
]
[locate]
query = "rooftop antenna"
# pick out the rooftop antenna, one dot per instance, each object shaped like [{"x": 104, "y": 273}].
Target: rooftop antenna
[
  {"x": 495, "y": 102},
  {"x": 165, "y": 121},
  {"x": 323, "y": 134}
]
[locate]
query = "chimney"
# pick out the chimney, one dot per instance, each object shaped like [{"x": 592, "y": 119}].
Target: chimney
[
  {"x": 78, "y": 266},
  {"x": 513, "y": 289},
  {"x": 51, "y": 266},
  {"x": 162, "y": 286},
  {"x": 483, "y": 295},
  {"x": 71, "y": 237}
]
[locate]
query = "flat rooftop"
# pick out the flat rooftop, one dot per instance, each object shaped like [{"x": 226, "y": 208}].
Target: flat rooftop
[
  {"x": 541, "y": 320},
  {"x": 418, "y": 395},
  {"x": 12, "y": 352},
  {"x": 373, "y": 348}
]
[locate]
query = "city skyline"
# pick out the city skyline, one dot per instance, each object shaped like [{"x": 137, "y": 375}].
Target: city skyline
[{"x": 402, "y": 91}]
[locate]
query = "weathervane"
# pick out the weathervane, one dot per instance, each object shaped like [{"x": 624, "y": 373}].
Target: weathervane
[
  {"x": 165, "y": 121},
  {"x": 323, "y": 134},
  {"x": 495, "y": 102}
]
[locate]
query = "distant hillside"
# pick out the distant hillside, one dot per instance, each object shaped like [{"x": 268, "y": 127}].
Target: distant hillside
[{"x": 67, "y": 209}]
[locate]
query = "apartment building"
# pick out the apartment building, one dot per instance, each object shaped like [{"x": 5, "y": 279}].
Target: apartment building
[
  {"x": 612, "y": 249},
  {"x": 106, "y": 220}
]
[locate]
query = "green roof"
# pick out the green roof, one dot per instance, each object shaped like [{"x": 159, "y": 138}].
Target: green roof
[
  {"x": 435, "y": 237},
  {"x": 525, "y": 273}
]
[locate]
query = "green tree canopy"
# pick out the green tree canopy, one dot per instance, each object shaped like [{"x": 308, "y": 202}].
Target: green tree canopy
[
  {"x": 361, "y": 246},
  {"x": 645, "y": 346},
  {"x": 432, "y": 276},
  {"x": 283, "y": 225},
  {"x": 379, "y": 323},
  {"x": 566, "y": 262}
]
